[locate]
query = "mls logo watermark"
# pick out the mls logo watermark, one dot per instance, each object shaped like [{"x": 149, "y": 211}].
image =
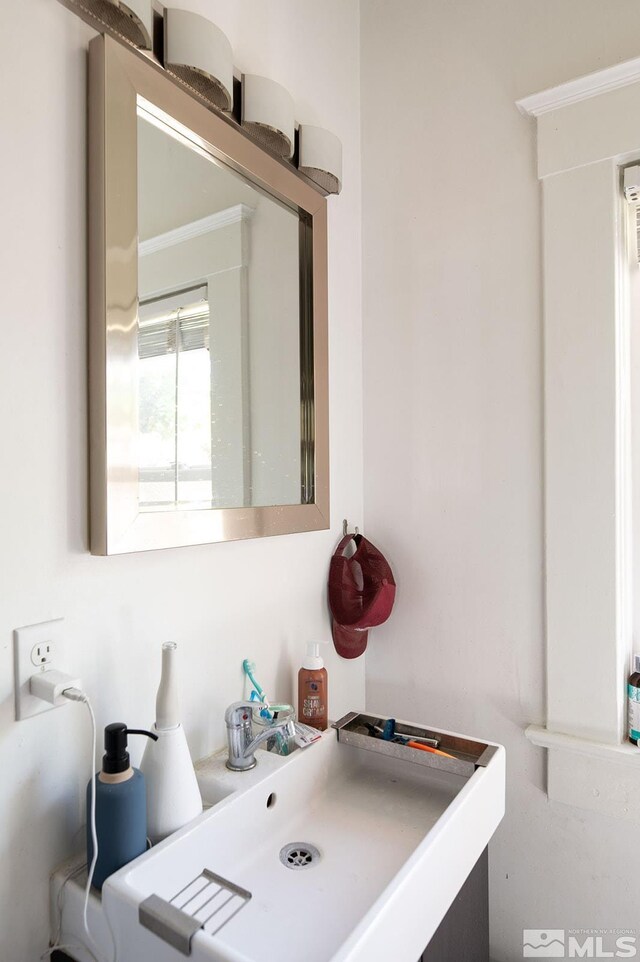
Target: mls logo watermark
[
  {"x": 543, "y": 944},
  {"x": 578, "y": 944}
]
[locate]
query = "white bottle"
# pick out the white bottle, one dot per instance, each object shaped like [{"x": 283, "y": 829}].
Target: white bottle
[{"x": 173, "y": 796}]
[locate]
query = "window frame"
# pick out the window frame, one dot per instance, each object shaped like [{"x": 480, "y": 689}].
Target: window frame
[{"x": 585, "y": 138}]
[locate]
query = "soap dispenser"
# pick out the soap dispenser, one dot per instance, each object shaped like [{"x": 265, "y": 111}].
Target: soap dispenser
[
  {"x": 121, "y": 806},
  {"x": 173, "y": 796},
  {"x": 313, "y": 689}
]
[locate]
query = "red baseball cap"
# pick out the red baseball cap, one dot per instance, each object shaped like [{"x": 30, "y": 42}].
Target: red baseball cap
[{"x": 361, "y": 594}]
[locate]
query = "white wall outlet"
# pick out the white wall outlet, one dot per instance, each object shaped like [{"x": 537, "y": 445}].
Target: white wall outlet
[
  {"x": 43, "y": 653},
  {"x": 35, "y": 648}
]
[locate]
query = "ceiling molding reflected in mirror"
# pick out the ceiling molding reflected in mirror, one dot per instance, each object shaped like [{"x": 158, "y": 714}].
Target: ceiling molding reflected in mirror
[{"x": 208, "y": 323}]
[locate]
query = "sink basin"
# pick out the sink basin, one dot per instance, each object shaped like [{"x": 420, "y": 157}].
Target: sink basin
[{"x": 334, "y": 854}]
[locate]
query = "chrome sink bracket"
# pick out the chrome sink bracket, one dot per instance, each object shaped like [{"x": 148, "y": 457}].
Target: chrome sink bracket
[
  {"x": 199, "y": 904},
  {"x": 170, "y": 924}
]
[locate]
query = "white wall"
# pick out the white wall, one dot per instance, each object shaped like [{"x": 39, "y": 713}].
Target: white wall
[
  {"x": 453, "y": 410},
  {"x": 262, "y": 599}
]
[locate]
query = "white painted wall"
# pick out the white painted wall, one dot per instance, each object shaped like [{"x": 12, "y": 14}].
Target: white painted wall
[
  {"x": 262, "y": 599},
  {"x": 453, "y": 410}
]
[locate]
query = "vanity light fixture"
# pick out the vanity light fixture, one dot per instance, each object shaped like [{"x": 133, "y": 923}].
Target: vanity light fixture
[
  {"x": 132, "y": 20},
  {"x": 320, "y": 157},
  {"x": 268, "y": 114},
  {"x": 199, "y": 54}
]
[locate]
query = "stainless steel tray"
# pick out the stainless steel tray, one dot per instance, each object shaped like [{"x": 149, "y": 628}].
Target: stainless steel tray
[{"x": 355, "y": 729}]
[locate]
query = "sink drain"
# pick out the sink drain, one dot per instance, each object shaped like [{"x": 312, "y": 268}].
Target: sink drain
[{"x": 297, "y": 855}]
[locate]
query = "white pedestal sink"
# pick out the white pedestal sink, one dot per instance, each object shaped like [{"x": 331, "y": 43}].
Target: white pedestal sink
[{"x": 334, "y": 854}]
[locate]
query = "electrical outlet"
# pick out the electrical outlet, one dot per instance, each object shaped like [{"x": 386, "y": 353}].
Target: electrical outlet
[
  {"x": 43, "y": 653},
  {"x": 35, "y": 648}
]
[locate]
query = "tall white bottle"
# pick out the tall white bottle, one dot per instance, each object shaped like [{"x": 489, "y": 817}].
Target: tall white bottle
[{"x": 173, "y": 796}]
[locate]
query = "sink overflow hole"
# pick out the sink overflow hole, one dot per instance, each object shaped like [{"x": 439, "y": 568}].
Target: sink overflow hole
[
  {"x": 299, "y": 855},
  {"x": 271, "y": 800}
]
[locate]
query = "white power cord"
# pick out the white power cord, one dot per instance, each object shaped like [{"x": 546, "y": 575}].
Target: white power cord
[
  {"x": 76, "y": 694},
  {"x": 57, "y": 945}
]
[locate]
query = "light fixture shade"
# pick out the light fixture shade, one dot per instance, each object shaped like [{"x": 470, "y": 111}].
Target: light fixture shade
[
  {"x": 133, "y": 20},
  {"x": 268, "y": 114},
  {"x": 199, "y": 54},
  {"x": 320, "y": 157}
]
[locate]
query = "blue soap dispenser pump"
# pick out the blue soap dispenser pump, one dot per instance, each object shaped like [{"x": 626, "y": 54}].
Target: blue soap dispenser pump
[{"x": 121, "y": 806}]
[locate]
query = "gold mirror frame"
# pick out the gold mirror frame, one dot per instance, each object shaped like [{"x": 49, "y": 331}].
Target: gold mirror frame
[{"x": 119, "y": 80}]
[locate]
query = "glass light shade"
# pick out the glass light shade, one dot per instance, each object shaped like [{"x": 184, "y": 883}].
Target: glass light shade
[
  {"x": 133, "y": 20},
  {"x": 320, "y": 157},
  {"x": 268, "y": 114},
  {"x": 199, "y": 54}
]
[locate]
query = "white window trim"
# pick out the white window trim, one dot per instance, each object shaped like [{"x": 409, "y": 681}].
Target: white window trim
[{"x": 587, "y": 129}]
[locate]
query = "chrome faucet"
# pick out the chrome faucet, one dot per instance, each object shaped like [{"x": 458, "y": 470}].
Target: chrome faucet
[{"x": 238, "y": 719}]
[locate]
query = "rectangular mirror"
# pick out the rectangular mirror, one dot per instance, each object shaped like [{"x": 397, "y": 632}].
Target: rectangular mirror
[{"x": 208, "y": 323}]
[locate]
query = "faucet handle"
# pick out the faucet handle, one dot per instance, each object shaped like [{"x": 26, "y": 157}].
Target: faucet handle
[{"x": 239, "y": 714}]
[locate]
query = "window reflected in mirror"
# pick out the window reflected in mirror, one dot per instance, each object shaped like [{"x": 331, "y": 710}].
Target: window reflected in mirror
[
  {"x": 220, "y": 385},
  {"x": 174, "y": 402}
]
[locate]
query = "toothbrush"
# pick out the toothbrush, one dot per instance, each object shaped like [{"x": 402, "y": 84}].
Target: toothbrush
[
  {"x": 304, "y": 735},
  {"x": 265, "y": 710},
  {"x": 249, "y": 668}
]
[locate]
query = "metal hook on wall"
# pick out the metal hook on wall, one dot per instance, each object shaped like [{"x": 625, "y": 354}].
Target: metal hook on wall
[{"x": 345, "y": 529}]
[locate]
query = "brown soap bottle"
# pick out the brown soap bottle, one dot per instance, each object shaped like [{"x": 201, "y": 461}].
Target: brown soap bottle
[{"x": 313, "y": 690}]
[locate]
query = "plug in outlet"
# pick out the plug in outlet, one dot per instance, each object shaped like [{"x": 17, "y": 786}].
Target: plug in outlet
[{"x": 36, "y": 648}]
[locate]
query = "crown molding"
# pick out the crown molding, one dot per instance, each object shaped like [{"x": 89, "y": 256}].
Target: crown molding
[
  {"x": 231, "y": 215},
  {"x": 583, "y": 88}
]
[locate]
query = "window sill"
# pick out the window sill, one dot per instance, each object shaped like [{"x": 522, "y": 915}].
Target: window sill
[
  {"x": 597, "y": 776},
  {"x": 626, "y": 752}
]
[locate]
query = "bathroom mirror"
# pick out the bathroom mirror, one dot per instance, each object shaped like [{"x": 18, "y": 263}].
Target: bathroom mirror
[{"x": 208, "y": 322}]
